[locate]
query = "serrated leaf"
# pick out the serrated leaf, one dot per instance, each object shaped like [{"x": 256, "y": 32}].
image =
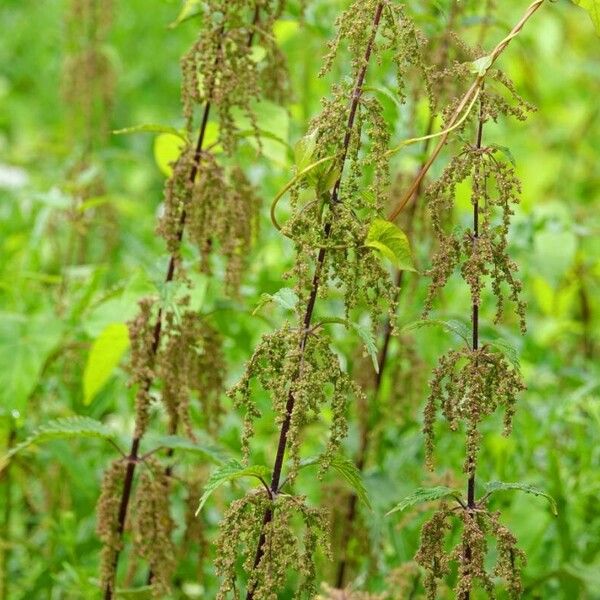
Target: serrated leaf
[
  {"x": 422, "y": 495},
  {"x": 506, "y": 151},
  {"x": 64, "y": 428},
  {"x": 500, "y": 486},
  {"x": 304, "y": 150},
  {"x": 152, "y": 128},
  {"x": 285, "y": 297},
  {"x": 505, "y": 348},
  {"x": 176, "y": 442},
  {"x": 368, "y": 340},
  {"x": 481, "y": 65},
  {"x": 231, "y": 471},
  {"x": 391, "y": 241},
  {"x": 348, "y": 470},
  {"x": 593, "y": 8},
  {"x": 450, "y": 325},
  {"x": 103, "y": 357},
  {"x": 167, "y": 148},
  {"x": 190, "y": 9}
]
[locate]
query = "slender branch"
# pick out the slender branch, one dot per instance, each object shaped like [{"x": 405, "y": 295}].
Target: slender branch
[
  {"x": 308, "y": 314},
  {"x": 471, "y": 504},
  {"x": 464, "y": 102}
]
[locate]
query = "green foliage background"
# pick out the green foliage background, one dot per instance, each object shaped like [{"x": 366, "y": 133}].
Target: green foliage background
[{"x": 56, "y": 302}]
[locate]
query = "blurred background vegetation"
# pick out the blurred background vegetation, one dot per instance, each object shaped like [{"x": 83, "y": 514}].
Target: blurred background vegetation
[{"x": 78, "y": 211}]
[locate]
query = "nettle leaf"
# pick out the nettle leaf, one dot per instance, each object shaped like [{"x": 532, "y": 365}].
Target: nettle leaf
[
  {"x": 167, "y": 148},
  {"x": 422, "y": 495},
  {"x": 366, "y": 335},
  {"x": 304, "y": 150},
  {"x": 206, "y": 449},
  {"x": 506, "y": 151},
  {"x": 450, "y": 325},
  {"x": 104, "y": 356},
  {"x": 481, "y": 65},
  {"x": 387, "y": 238},
  {"x": 500, "y": 486},
  {"x": 593, "y": 8},
  {"x": 231, "y": 471},
  {"x": 190, "y": 9},
  {"x": 285, "y": 297},
  {"x": 505, "y": 348},
  {"x": 152, "y": 128},
  {"x": 64, "y": 428},
  {"x": 349, "y": 472}
]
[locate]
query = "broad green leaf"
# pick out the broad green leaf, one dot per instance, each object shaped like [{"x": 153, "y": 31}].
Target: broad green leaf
[
  {"x": 348, "y": 470},
  {"x": 506, "y": 151},
  {"x": 451, "y": 325},
  {"x": 190, "y": 9},
  {"x": 304, "y": 150},
  {"x": 272, "y": 125},
  {"x": 103, "y": 358},
  {"x": 505, "y": 348},
  {"x": 423, "y": 495},
  {"x": 230, "y": 471},
  {"x": 152, "y": 128},
  {"x": 368, "y": 340},
  {"x": 26, "y": 342},
  {"x": 481, "y": 65},
  {"x": 167, "y": 148},
  {"x": 392, "y": 242},
  {"x": 285, "y": 297},
  {"x": 64, "y": 428},
  {"x": 593, "y": 8},
  {"x": 175, "y": 442},
  {"x": 500, "y": 486}
]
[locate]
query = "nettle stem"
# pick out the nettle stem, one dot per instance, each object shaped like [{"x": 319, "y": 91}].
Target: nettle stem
[
  {"x": 382, "y": 359},
  {"x": 471, "y": 504},
  {"x": 310, "y": 306}
]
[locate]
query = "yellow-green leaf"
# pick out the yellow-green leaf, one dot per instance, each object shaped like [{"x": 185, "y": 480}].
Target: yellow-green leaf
[
  {"x": 391, "y": 242},
  {"x": 167, "y": 148},
  {"x": 593, "y": 8},
  {"x": 104, "y": 356}
]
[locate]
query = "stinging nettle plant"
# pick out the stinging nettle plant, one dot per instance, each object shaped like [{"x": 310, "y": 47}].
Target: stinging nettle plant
[
  {"x": 174, "y": 349},
  {"x": 340, "y": 237}
]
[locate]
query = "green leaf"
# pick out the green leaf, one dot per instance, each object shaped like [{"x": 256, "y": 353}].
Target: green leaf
[
  {"x": 423, "y": 495},
  {"x": 481, "y": 65},
  {"x": 348, "y": 470},
  {"x": 368, "y": 340},
  {"x": 64, "y": 428},
  {"x": 499, "y": 486},
  {"x": 507, "y": 153},
  {"x": 450, "y": 325},
  {"x": 175, "y": 442},
  {"x": 304, "y": 150},
  {"x": 167, "y": 148},
  {"x": 103, "y": 358},
  {"x": 593, "y": 8},
  {"x": 26, "y": 342},
  {"x": 232, "y": 470},
  {"x": 152, "y": 128},
  {"x": 505, "y": 348},
  {"x": 190, "y": 9},
  {"x": 392, "y": 242},
  {"x": 257, "y": 53},
  {"x": 285, "y": 297}
]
